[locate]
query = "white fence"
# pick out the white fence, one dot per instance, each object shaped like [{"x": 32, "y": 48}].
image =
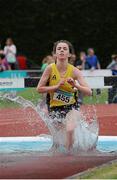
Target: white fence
[{"x": 95, "y": 79}]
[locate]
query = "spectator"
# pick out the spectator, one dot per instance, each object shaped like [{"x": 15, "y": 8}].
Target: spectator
[
  {"x": 10, "y": 53},
  {"x": 112, "y": 93},
  {"x": 72, "y": 59},
  {"x": 46, "y": 61},
  {"x": 3, "y": 64},
  {"x": 113, "y": 64},
  {"x": 22, "y": 62},
  {"x": 80, "y": 64},
  {"x": 92, "y": 61}
]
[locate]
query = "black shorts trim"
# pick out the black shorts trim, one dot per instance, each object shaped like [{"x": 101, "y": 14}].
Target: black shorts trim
[{"x": 61, "y": 111}]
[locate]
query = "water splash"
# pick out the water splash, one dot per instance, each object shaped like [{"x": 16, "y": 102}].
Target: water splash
[{"x": 84, "y": 122}]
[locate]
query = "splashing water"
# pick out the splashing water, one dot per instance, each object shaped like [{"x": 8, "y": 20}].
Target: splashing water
[{"x": 84, "y": 122}]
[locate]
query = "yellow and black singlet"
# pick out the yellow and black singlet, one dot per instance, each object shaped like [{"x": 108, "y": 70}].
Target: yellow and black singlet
[{"x": 65, "y": 94}]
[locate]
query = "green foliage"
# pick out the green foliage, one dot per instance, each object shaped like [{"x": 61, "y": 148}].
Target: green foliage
[{"x": 36, "y": 24}]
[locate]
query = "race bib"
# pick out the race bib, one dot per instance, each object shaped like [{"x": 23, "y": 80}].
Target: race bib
[{"x": 62, "y": 96}]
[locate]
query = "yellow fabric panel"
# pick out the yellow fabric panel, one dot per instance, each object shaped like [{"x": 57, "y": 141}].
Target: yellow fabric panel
[{"x": 65, "y": 92}]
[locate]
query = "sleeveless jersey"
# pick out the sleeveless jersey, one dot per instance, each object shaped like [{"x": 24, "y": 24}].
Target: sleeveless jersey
[{"x": 65, "y": 94}]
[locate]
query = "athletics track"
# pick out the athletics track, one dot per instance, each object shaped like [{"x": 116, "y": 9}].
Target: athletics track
[{"x": 15, "y": 122}]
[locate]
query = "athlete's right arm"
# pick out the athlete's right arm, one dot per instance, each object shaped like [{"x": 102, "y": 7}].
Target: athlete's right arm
[{"x": 42, "y": 85}]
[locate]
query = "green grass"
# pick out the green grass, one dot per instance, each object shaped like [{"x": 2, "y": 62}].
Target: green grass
[
  {"x": 8, "y": 104},
  {"x": 29, "y": 94},
  {"x": 32, "y": 95},
  {"x": 97, "y": 99},
  {"x": 105, "y": 172}
]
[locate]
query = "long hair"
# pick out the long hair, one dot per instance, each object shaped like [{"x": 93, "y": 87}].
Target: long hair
[{"x": 71, "y": 49}]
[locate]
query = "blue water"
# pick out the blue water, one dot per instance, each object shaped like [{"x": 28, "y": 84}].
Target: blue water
[
  {"x": 44, "y": 145},
  {"x": 25, "y": 146},
  {"x": 108, "y": 146}
]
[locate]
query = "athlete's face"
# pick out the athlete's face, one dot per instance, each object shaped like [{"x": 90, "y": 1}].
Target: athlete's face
[{"x": 62, "y": 51}]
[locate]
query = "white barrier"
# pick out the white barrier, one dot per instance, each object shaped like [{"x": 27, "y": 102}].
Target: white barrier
[
  {"x": 97, "y": 73},
  {"x": 11, "y": 83},
  {"x": 95, "y": 80}
]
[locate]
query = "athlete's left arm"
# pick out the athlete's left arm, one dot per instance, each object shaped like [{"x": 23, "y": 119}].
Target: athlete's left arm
[{"x": 80, "y": 82}]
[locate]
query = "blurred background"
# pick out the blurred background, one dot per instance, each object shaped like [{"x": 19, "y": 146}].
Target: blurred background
[{"x": 35, "y": 24}]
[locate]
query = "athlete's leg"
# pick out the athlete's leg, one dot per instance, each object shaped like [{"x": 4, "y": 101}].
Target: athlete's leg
[{"x": 71, "y": 121}]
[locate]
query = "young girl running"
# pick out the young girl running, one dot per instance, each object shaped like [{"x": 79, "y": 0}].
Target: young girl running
[{"x": 62, "y": 78}]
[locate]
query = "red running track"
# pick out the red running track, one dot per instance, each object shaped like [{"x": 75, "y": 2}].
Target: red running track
[{"x": 17, "y": 122}]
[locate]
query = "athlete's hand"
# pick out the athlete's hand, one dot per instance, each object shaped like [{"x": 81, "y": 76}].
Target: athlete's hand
[
  {"x": 61, "y": 82},
  {"x": 71, "y": 81}
]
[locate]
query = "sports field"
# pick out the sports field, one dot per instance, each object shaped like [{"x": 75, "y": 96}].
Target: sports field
[{"x": 17, "y": 121}]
